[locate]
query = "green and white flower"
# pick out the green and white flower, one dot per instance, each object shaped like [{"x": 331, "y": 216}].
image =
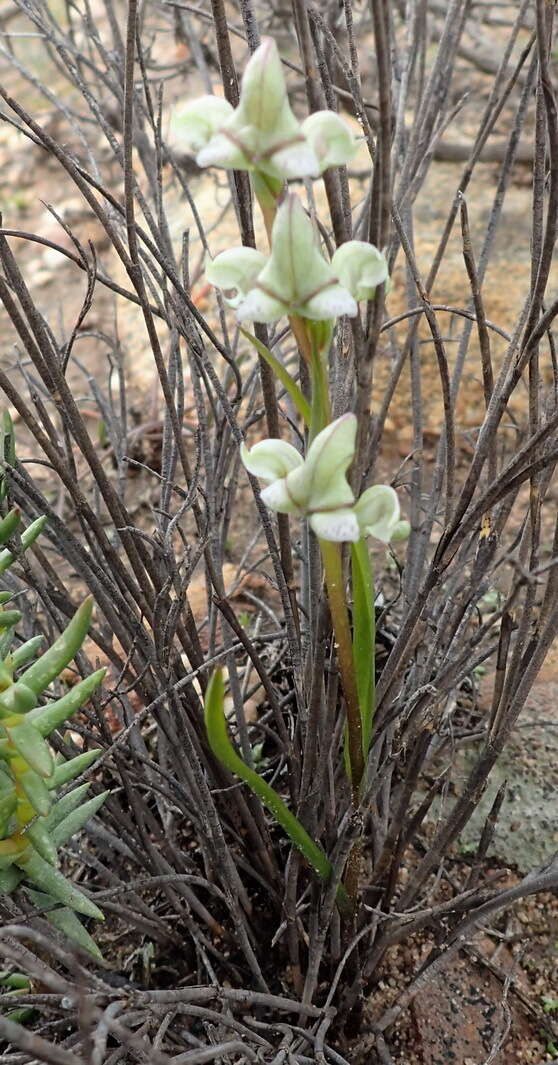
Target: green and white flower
[
  {"x": 317, "y": 488},
  {"x": 296, "y": 279},
  {"x": 262, "y": 133}
]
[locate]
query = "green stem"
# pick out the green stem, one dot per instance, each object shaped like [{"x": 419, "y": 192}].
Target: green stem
[{"x": 335, "y": 584}]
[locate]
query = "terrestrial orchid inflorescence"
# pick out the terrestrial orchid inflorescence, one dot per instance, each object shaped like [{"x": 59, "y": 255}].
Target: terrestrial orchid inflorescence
[{"x": 296, "y": 280}]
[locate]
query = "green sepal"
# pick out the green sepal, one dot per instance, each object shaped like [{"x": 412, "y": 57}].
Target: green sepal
[
  {"x": 36, "y": 791},
  {"x": 9, "y": 879},
  {"x": 67, "y": 922},
  {"x": 22, "y": 655},
  {"x": 56, "y": 658},
  {"x": 73, "y": 768},
  {"x": 29, "y": 743},
  {"x": 8, "y": 802},
  {"x": 17, "y": 699},
  {"x": 28, "y": 537},
  {"x": 75, "y": 821},
  {"x": 9, "y": 524},
  {"x": 62, "y": 890},
  {"x": 47, "y": 718},
  {"x": 39, "y": 836},
  {"x": 9, "y": 618}
]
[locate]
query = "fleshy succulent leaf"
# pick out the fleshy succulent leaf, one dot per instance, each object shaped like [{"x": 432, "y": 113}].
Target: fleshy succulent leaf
[
  {"x": 47, "y": 718},
  {"x": 75, "y": 821},
  {"x": 56, "y": 658},
  {"x": 29, "y": 743},
  {"x": 44, "y": 876},
  {"x": 28, "y": 537},
  {"x": 71, "y": 769},
  {"x": 66, "y": 921}
]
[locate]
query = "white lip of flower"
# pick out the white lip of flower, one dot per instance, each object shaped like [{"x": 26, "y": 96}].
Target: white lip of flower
[
  {"x": 317, "y": 487},
  {"x": 296, "y": 279},
  {"x": 262, "y": 133}
]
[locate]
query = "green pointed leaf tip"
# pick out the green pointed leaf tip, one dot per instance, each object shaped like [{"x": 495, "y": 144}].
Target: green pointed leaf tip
[
  {"x": 28, "y": 537},
  {"x": 216, "y": 727},
  {"x": 63, "y": 650},
  {"x": 9, "y": 524},
  {"x": 47, "y": 718},
  {"x": 44, "y": 876},
  {"x": 67, "y": 771},
  {"x": 9, "y": 618},
  {"x": 29, "y": 743},
  {"x": 65, "y": 805},
  {"x": 66, "y": 921},
  {"x": 38, "y": 834},
  {"x": 22, "y": 655},
  {"x": 74, "y": 822}
]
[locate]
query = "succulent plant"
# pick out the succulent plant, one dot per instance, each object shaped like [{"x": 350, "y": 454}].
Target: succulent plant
[{"x": 34, "y": 824}]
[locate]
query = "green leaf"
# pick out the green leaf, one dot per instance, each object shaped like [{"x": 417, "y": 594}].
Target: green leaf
[
  {"x": 364, "y": 637},
  {"x": 36, "y": 791},
  {"x": 56, "y": 658},
  {"x": 75, "y": 821},
  {"x": 9, "y": 618},
  {"x": 41, "y": 873},
  {"x": 65, "y": 805},
  {"x": 29, "y": 743},
  {"x": 9, "y": 524},
  {"x": 8, "y": 801},
  {"x": 66, "y": 922},
  {"x": 9, "y": 879},
  {"x": 216, "y": 728},
  {"x": 28, "y": 536},
  {"x": 17, "y": 699},
  {"x": 47, "y": 718},
  {"x": 70, "y": 770},
  {"x": 26, "y": 652},
  {"x": 301, "y": 404},
  {"x": 38, "y": 834}
]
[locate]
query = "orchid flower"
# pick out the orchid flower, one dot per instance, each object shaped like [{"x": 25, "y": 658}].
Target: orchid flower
[
  {"x": 296, "y": 279},
  {"x": 262, "y": 133},
  {"x": 317, "y": 488}
]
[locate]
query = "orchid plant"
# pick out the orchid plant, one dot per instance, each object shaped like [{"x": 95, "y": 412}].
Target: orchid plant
[{"x": 295, "y": 280}]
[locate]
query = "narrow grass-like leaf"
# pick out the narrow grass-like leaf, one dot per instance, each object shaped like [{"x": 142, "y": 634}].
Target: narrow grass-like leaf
[
  {"x": 216, "y": 727},
  {"x": 364, "y": 637},
  {"x": 301, "y": 404}
]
